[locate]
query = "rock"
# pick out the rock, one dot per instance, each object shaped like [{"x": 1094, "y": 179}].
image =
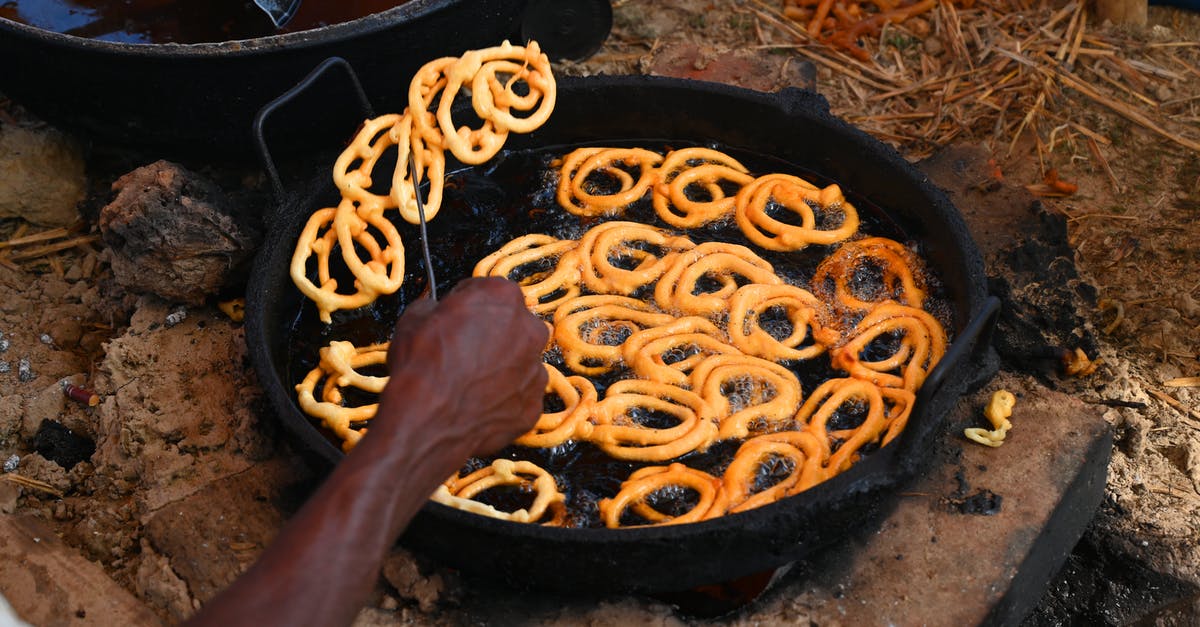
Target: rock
[
  {"x": 933, "y": 46},
  {"x": 48, "y": 404},
  {"x": 50, "y": 583},
  {"x": 37, "y": 467},
  {"x": 66, "y": 332},
  {"x": 161, "y": 587},
  {"x": 173, "y": 233},
  {"x": 41, "y": 176},
  {"x": 401, "y": 570}
]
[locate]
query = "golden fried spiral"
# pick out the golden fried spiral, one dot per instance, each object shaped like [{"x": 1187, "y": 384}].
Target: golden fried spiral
[
  {"x": 578, "y": 396},
  {"x": 618, "y": 432},
  {"x": 921, "y": 344},
  {"x": 748, "y": 393},
  {"x": 645, "y": 482},
  {"x": 555, "y": 276},
  {"x": 727, "y": 265},
  {"x": 799, "y": 197},
  {"x": 460, "y": 492}
]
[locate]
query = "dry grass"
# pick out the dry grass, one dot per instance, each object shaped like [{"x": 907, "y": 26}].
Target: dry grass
[{"x": 1002, "y": 73}]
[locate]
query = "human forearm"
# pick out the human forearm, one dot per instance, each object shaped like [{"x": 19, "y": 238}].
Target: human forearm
[
  {"x": 367, "y": 500},
  {"x": 465, "y": 378}
]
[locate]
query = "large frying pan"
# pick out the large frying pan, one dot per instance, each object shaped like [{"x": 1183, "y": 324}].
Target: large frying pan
[
  {"x": 199, "y": 99},
  {"x": 792, "y": 125}
]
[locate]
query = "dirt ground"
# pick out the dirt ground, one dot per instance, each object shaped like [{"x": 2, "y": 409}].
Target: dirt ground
[{"x": 189, "y": 479}]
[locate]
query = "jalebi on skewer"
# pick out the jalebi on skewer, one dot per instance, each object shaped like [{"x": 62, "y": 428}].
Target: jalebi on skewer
[{"x": 422, "y": 133}]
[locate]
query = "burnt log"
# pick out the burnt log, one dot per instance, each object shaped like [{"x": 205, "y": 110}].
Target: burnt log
[{"x": 173, "y": 233}]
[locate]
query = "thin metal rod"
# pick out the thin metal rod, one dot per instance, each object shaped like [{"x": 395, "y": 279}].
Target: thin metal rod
[{"x": 412, "y": 173}]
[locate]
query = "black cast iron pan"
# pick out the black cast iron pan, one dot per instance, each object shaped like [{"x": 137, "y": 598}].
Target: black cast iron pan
[
  {"x": 199, "y": 99},
  {"x": 792, "y": 125}
]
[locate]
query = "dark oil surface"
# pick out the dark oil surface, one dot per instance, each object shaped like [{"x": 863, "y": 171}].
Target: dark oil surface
[
  {"x": 179, "y": 21},
  {"x": 513, "y": 195}
]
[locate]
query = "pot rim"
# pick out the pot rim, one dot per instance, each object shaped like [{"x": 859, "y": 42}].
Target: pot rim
[{"x": 368, "y": 24}]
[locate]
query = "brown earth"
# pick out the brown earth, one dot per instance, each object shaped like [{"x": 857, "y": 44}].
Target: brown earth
[{"x": 189, "y": 479}]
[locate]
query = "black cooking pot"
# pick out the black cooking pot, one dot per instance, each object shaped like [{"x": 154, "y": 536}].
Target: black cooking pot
[
  {"x": 794, "y": 126},
  {"x": 199, "y": 99}
]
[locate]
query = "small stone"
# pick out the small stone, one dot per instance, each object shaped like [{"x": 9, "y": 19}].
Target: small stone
[
  {"x": 46, "y": 339},
  {"x": 389, "y": 603},
  {"x": 175, "y": 317},
  {"x": 1163, "y": 93},
  {"x": 12, "y": 463},
  {"x": 25, "y": 371},
  {"x": 89, "y": 265},
  {"x": 933, "y": 46},
  {"x": 66, "y": 332},
  {"x": 5, "y": 367},
  {"x": 4, "y": 343}
]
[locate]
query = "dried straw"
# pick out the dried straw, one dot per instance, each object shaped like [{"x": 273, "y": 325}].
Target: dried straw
[{"x": 1003, "y": 72}]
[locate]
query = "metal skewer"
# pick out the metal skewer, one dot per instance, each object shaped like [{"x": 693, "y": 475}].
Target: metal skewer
[{"x": 412, "y": 173}]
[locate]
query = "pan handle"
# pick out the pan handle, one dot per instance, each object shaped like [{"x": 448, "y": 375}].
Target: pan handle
[
  {"x": 307, "y": 82},
  {"x": 977, "y": 336}
]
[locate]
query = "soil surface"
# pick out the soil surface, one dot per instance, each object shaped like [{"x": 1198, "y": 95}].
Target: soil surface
[{"x": 189, "y": 478}]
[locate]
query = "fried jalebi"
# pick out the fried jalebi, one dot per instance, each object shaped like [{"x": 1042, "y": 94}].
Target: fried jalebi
[
  {"x": 495, "y": 99},
  {"x": 543, "y": 266},
  {"x": 842, "y": 276},
  {"x": 998, "y": 411},
  {"x": 352, "y": 172},
  {"x": 339, "y": 368},
  {"x": 900, "y": 405},
  {"x": 460, "y": 492},
  {"x": 801, "y": 449},
  {"x": 384, "y": 272},
  {"x": 641, "y": 486},
  {"x": 587, "y": 175},
  {"x": 706, "y": 169},
  {"x": 341, "y": 361},
  {"x": 705, "y": 341},
  {"x": 826, "y": 401},
  {"x": 750, "y": 303},
  {"x": 622, "y": 257},
  {"x": 748, "y": 393},
  {"x": 918, "y": 349},
  {"x": 590, "y": 329},
  {"x": 424, "y": 92},
  {"x": 667, "y": 353},
  {"x": 680, "y": 288},
  {"x": 420, "y": 135},
  {"x": 430, "y": 164},
  {"x": 318, "y": 238},
  {"x": 799, "y": 197},
  {"x": 619, "y": 432},
  {"x": 578, "y": 395},
  {"x": 472, "y": 146}
]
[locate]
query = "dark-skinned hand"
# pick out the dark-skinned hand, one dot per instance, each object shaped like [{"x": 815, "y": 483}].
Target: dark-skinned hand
[{"x": 466, "y": 379}]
